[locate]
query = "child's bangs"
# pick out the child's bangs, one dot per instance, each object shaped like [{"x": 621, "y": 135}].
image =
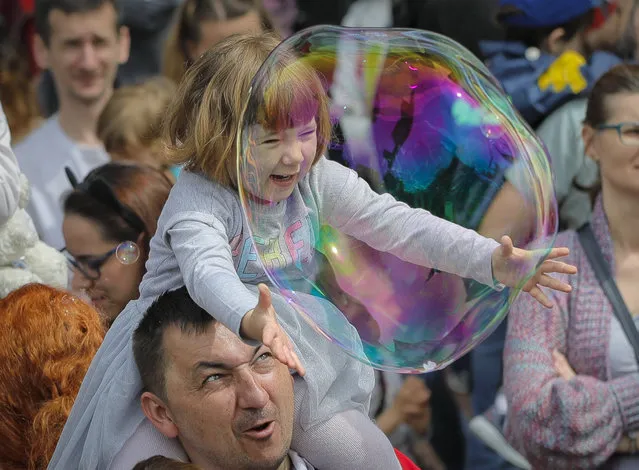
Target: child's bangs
[{"x": 292, "y": 99}]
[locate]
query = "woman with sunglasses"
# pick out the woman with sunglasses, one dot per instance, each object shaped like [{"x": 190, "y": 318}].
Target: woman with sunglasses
[
  {"x": 109, "y": 220},
  {"x": 571, "y": 377}
]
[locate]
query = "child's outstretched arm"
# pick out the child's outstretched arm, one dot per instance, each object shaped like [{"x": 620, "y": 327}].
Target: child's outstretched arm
[
  {"x": 417, "y": 236},
  {"x": 201, "y": 247},
  {"x": 510, "y": 265},
  {"x": 261, "y": 324}
]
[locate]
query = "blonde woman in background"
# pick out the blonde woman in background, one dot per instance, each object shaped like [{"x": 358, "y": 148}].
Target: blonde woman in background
[{"x": 200, "y": 24}]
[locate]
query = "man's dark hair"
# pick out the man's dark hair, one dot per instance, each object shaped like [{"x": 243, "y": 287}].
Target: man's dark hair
[
  {"x": 44, "y": 7},
  {"x": 173, "y": 308}
]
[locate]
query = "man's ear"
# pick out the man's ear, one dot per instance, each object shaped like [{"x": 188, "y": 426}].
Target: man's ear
[
  {"x": 125, "y": 45},
  {"x": 158, "y": 413},
  {"x": 555, "y": 41},
  {"x": 40, "y": 52},
  {"x": 588, "y": 135}
]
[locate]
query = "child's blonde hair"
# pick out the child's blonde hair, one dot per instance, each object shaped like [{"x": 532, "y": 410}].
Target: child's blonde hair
[
  {"x": 132, "y": 119},
  {"x": 204, "y": 116}
]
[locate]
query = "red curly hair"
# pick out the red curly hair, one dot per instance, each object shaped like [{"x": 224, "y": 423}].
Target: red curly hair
[{"x": 48, "y": 338}]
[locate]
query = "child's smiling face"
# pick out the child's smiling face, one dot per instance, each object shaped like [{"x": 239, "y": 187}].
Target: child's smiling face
[{"x": 281, "y": 159}]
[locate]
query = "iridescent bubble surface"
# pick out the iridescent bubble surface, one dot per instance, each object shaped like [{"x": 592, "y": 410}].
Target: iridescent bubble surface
[
  {"x": 127, "y": 252},
  {"x": 419, "y": 117}
]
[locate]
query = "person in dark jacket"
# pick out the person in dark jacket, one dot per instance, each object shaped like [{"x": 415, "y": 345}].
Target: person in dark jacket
[{"x": 544, "y": 60}]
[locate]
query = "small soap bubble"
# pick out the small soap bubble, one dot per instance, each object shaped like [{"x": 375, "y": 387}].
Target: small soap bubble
[{"x": 127, "y": 252}]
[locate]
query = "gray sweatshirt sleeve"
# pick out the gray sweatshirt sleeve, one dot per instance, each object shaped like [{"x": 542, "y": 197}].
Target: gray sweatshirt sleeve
[
  {"x": 413, "y": 235},
  {"x": 9, "y": 173},
  {"x": 201, "y": 247}
]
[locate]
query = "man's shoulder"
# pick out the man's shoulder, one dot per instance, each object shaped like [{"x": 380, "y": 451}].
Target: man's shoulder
[{"x": 39, "y": 138}]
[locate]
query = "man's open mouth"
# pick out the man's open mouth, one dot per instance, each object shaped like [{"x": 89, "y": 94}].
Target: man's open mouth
[
  {"x": 261, "y": 431},
  {"x": 261, "y": 427}
]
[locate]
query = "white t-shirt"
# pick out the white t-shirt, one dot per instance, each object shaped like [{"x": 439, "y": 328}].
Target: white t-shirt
[{"x": 42, "y": 156}]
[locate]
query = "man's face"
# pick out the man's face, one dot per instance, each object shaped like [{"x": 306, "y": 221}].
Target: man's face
[
  {"x": 230, "y": 405},
  {"x": 84, "y": 52}
]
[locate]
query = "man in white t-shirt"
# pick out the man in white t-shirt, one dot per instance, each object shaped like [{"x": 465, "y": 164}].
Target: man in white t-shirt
[
  {"x": 81, "y": 42},
  {"x": 215, "y": 400}
]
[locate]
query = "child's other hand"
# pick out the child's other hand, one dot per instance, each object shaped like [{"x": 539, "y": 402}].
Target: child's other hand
[
  {"x": 261, "y": 324},
  {"x": 510, "y": 265}
]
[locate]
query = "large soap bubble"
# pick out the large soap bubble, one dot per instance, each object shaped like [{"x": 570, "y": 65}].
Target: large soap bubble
[{"x": 419, "y": 117}]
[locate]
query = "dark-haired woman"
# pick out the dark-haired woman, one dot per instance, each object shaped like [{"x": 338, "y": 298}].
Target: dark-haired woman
[{"x": 116, "y": 203}]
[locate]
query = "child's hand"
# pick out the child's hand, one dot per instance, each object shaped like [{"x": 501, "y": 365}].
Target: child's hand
[
  {"x": 510, "y": 264},
  {"x": 260, "y": 324}
]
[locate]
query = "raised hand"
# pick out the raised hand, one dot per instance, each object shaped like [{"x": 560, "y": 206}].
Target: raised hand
[
  {"x": 510, "y": 265},
  {"x": 261, "y": 324}
]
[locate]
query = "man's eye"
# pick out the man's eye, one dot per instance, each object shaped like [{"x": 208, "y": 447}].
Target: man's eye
[
  {"x": 72, "y": 44},
  {"x": 270, "y": 141},
  {"x": 264, "y": 360},
  {"x": 213, "y": 378},
  {"x": 264, "y": 356}
]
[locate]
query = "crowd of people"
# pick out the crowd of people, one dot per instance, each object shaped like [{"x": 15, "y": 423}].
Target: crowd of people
[{"x": 131, "y": 337}]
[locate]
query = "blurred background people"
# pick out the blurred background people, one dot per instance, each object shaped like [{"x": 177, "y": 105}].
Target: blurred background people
[
  {"x": 200, "y": 24},
  {"x": 130, "y": 126}
]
